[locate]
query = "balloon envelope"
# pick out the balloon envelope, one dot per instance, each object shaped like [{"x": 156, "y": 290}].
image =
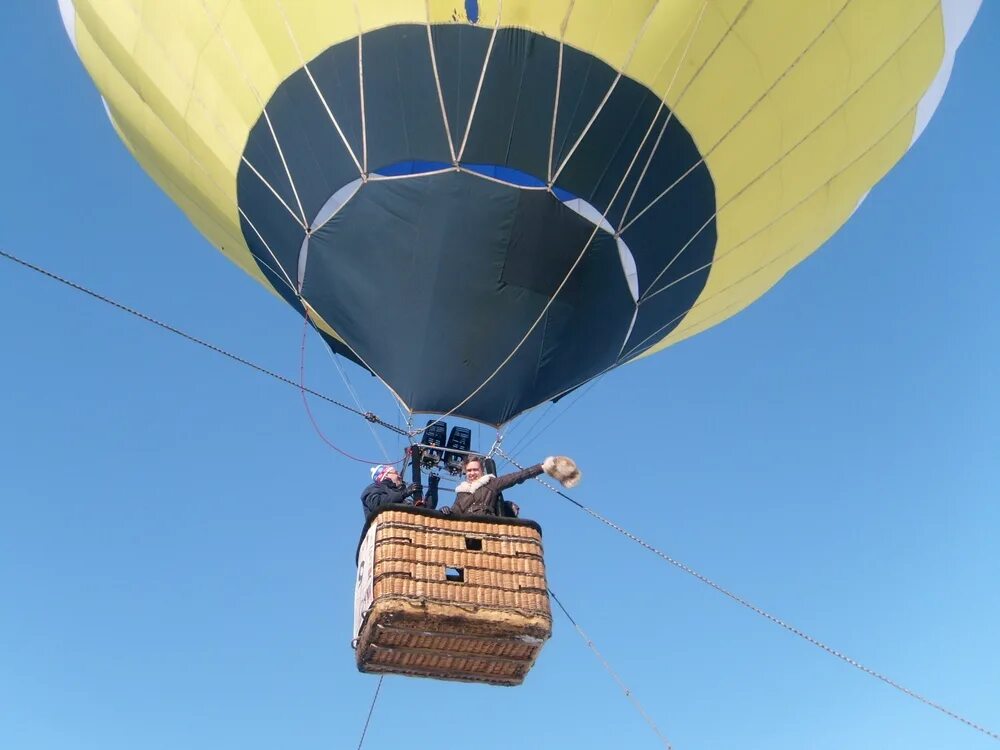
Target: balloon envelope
[{"x": 489, "y": 203}]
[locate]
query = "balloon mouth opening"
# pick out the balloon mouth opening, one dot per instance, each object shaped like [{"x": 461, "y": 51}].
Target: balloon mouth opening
[{"x": 498, "y": 172}]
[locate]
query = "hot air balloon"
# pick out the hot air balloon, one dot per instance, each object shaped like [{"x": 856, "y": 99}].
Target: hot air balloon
[
  {"x": 542, "y": 191},
  {"x": 487, "y": 204}
]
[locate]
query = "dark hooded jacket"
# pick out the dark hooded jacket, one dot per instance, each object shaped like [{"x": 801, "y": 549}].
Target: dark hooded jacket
[
  {"x": 482, "y": 497},
  {"x": 382, "y": 493}
]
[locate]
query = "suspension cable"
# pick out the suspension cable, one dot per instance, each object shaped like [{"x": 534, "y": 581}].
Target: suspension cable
[
  {"x": 370, "y": 710},
  {"x": 766, "y": 615},
  {"x": 614, "y": 675},
  {"x": 354, "y": 396},
  {"x": 312, "y": 418},
  {"x": 373, "y": 418}
]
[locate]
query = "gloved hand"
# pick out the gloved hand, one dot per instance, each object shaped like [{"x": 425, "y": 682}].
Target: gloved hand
[
  {"x": 412, "y": 489},
  {"x": 446, "y": 510}
]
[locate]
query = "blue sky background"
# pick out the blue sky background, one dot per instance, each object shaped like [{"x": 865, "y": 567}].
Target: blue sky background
[{"x": 176, "y": 543}]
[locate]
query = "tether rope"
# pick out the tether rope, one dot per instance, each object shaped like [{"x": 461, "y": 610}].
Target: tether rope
[
  {"x": 614, "y": 675},
  {"x": 370, "y": 711},
  {"x": 373, "y": 418},
  {"x": 766, "y": 615}
]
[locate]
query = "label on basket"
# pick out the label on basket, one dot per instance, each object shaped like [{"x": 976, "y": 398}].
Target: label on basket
[{"x": 364, "y": 585}]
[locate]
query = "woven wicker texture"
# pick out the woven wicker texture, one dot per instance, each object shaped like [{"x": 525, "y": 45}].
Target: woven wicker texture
[{"x": 455, "y": 599}]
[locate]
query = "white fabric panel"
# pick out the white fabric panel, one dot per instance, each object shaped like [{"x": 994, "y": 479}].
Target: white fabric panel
[
  {"x": 957, "y": 16},
  {"x": 594, "y": 216},
  {"x": 333, "y": 204},
  {"x": 68, "y": 14}
]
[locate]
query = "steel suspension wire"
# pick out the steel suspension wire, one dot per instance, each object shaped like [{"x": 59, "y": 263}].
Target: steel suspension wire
[
  {"x": 371, "y": 709},
  {"x": 763, "y": 613},
  {"x": 373, "y": 418},
  {"x": 614, "y": 675}
]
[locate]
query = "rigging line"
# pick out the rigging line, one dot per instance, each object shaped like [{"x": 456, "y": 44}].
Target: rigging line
[
  {"x": 218, "y": 350},
  {"x": 376, "y": 177},
  {"x": 614, "y": 675},
  {"x": 825, "y": 185},
  {"x": 670, "y": 115},
  {"x": 527, "y": 335},
  {"x": 625, "y": 357},
  {"x": 576, "y": 262},
  {"x": 479, "y": 86},
  {"x": 210, "y": 115},
  {"x": 305, "y": 402},
  {"x": 354, "y": 395},
  {"x": 774, "y": 84},
  {"x": 555, "y": 99},
  {"x": 275, "y": 193},
  {"x": 774, "y": 164},
  {"x": 288, "y": 279},
  {"x": 694, "y": 77},
  {"x": 793, "y": 248},
  {"x": 319, "y": 93},
  {"x": 437, "y": 83},
  {"x": 496, "y": 445},
  {"x": 536, "y": 419},
  {"x": 523, "y": 443},
  {"x": 763, "y": 613},
  {"x": 754, "y": 272},
  {"x": 253, "y": 89},
  {"x": 490, "y": 178},
  {"x": 645, "y": 295},
  {"x": 607, "y": 95},
  {"x": 370, "y": 711},
  {"x": 309, "y": 309},
  {"x": 361, "y": 93}
]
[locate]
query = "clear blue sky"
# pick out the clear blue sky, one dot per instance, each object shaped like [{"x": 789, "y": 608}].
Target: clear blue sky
[{"x": 176, "y": 543}]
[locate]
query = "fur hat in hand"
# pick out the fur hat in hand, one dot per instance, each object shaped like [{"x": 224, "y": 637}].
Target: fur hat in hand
[{"x": 562, "y": 469}]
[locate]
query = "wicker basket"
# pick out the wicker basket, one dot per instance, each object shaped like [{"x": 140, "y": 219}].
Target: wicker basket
[{"x": 450, "y": 597}]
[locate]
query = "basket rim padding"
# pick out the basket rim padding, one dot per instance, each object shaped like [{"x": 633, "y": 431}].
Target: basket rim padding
[{"x": 411, "y": 510}]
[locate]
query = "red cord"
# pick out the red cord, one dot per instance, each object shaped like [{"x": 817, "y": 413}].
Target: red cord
[{"x": 305, "y": 402}]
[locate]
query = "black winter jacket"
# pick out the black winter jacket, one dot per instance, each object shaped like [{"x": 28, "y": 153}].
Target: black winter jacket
[
  {"x": 481, "y": 498},
  {"x": 382, "y": 493}
]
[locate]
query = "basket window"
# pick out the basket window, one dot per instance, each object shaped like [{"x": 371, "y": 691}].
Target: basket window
[
  {"x": 472, "y": 543},
  {"x": 454, "y": 574}
]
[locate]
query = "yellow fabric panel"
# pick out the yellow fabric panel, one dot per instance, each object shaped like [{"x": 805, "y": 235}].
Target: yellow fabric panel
[
  {"x": 546, "y": 18},
  {"x": 163, "y": 156},
  {"x": 805, "y": 138},
  {"x": 177, "y": 109},
  {"x": 778, "y": 246},
  {"x": 186, "y": 167},
  {"x": 611, "y": 28}
]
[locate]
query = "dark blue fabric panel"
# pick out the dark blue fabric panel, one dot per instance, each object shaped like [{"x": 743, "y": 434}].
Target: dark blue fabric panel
[
  {"x": 282, "y": 236},
  {"x": 458, "y": 267},
  {"x": 336, "y": 73},
  {"x": 435, "y": 279},
  {"x": 514, "y": 114},
  {"x": 460, "y": 58},
  {"x": 402, "y": 109}
]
